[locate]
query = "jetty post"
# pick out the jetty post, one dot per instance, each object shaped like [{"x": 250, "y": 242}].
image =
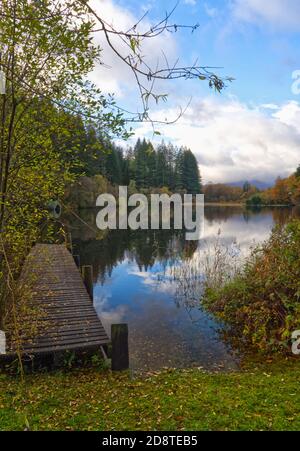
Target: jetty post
[
  {"x": 87, "y": 275},
  {"x": 119, "y": 345}
]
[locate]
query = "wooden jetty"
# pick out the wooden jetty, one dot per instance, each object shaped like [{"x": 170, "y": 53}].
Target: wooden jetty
[{"x": 67, "y": 320}]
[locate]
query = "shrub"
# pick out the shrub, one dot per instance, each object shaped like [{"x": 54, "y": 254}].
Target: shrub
[
  {"x": 261, "y": 305},
  {"x": 255, "y": 200}
]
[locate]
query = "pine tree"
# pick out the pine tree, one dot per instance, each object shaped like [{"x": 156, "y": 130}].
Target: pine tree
[
  {"x": 151, "y": 166},
  {"x": 161, "y": 166},
  {"x": 191, "y": 174},
  {"x": 140, "y": 151},
  {"x": 178, "y": 171},
  {"x": 114, "y": 166},
  {"x": 246, "y": 187}
]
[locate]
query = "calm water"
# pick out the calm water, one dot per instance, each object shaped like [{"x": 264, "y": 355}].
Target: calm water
[{"x": 153, "y": 280}]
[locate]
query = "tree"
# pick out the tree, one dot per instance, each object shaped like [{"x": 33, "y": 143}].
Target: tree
[
  {"x": 151, "y": 165},
  {"x": 255, "y": 201},
  {"x": 219, "y": 192},
  {"x": 179, "y": 170},
  {"x": 190, "y": 173},
  {"x": 161, "y": 166},
  {"x": 114, "y": 165},
  {"x": 140, "y": 154},
  {"x": 246, "y": 187}
]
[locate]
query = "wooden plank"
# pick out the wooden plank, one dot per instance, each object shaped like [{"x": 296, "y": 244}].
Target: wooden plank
[
  {"x": 51, "y": 349},
  {"x": 46, "y": 342},
  {"x": 63, "y": 335}
]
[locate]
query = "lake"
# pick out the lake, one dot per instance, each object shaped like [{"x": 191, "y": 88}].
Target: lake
[{"x": 152, "y": 280}]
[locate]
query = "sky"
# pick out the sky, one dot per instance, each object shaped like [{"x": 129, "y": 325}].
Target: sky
[{"x": 251, "y": 131}]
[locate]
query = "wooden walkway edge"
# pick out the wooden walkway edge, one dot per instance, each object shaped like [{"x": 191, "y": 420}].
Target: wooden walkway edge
[{"x": 67, "y": 319}]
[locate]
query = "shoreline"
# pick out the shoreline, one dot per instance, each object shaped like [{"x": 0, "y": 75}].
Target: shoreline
[
  {"x": 221, "y": 204},
  {"x": 244, "y": 205},
  {"x": 224, "y": 204}
]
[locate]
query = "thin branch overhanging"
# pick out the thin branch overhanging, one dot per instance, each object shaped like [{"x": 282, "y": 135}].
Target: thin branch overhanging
[{"x": 137, "y": 64}]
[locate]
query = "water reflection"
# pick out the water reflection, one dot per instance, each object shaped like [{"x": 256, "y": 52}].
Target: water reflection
[{"x": 152, "y": 280}]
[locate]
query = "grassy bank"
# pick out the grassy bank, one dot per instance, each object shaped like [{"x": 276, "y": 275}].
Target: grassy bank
[
  {"x": 261, "y": 397},
  {"x": 260, "y": 304}
]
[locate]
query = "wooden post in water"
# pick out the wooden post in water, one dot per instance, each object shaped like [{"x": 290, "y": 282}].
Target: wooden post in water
[
  {"x": 77, "y": 260},
  {"x": 87, "y": 275},
  {"x": 119, "y": 344},
  {"x": 69, "y": 242}
]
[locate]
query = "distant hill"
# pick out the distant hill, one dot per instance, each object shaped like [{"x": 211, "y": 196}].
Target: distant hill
[{"x": 260, "y": 185}]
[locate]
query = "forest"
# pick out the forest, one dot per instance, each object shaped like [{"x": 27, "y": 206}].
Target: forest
[
  {"x": 285, "y": 191},
  {"x": 144, "y": 168},
  {"x": 141, "y": 167}
]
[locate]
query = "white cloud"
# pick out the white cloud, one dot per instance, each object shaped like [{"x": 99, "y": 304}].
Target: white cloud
[
  {"x": 210, "y": 11},
  {"x": 190, "y": 2},
  {"x": 270, "y": 106},
  {"x": 284, "y": 14},
  {"x": 115, "y": 76},
  {"x": 233, "y": 141},
  {"x": 289, "y": 114}
]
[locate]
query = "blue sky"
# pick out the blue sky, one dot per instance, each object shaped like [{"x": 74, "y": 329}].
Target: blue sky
[
  {"x": 252, "y": 129},
  {"x": 259, "y": 56}
]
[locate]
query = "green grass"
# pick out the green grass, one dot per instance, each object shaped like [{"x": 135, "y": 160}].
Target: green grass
[{"x": 263, "y": 397}]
